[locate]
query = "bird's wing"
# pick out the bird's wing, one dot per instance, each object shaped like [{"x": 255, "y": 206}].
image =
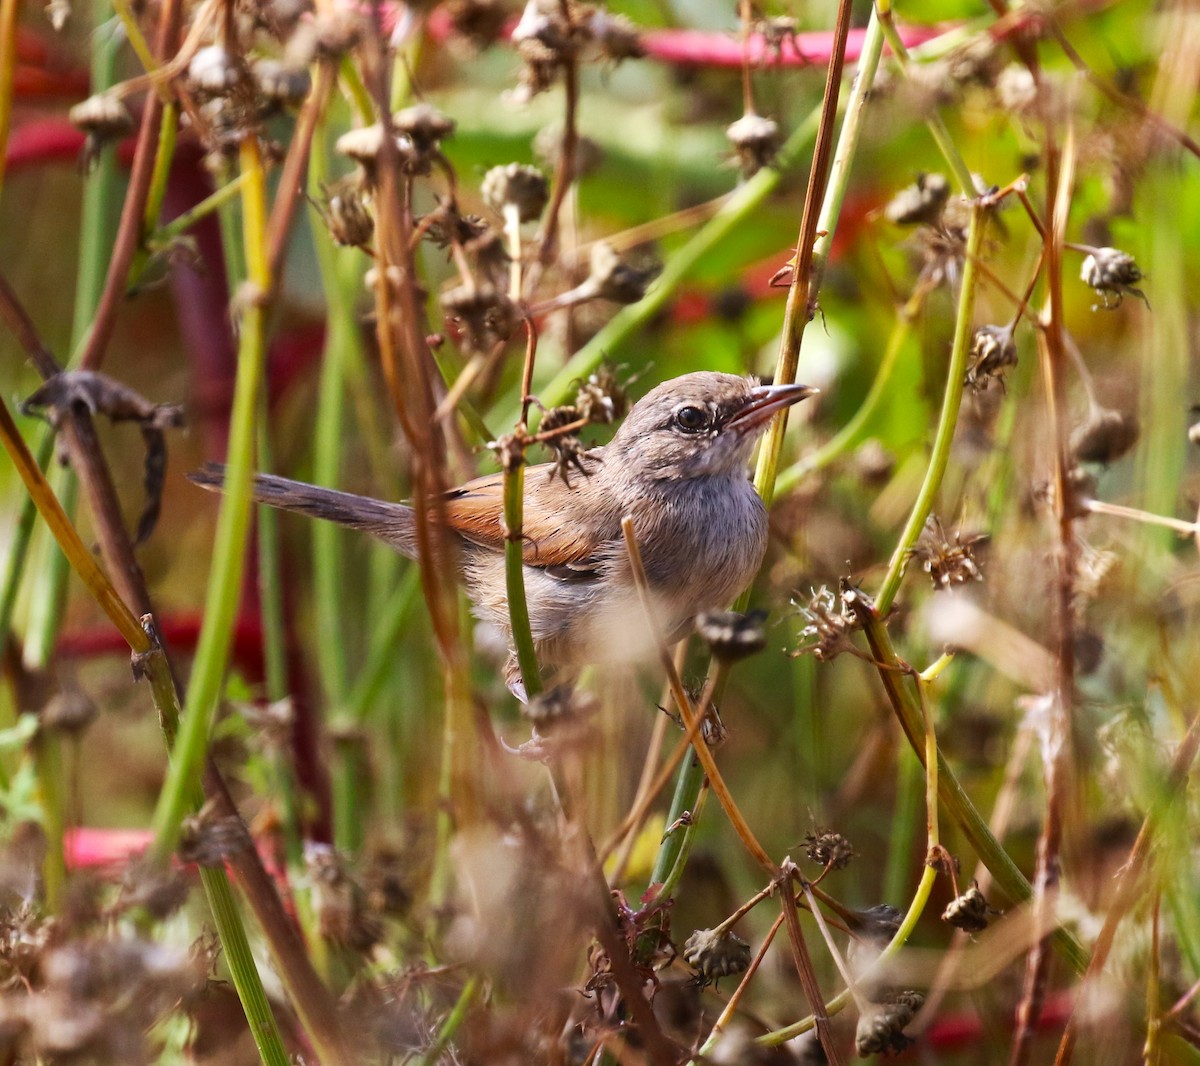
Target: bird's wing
[{"x": 567, "y": 549}]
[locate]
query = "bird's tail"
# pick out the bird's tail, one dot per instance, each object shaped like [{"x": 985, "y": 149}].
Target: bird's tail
[{"x": 390, "y": 522}]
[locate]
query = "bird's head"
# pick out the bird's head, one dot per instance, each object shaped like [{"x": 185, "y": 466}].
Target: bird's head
[{"x": 698, "y": 425}]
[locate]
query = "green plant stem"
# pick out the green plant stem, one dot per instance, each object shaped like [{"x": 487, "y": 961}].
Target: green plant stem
[
  {"x": 14, "y": 565},
  {"x": 741, "y": 203},
  {"x": 514, "y": 578},
  {"x": 907, "y": 708},
  {"x": 233, "y": 525},
  {"x": 452, "y": 1023},
  {"x": 684, "y": 800},
  {"x": 381, "y": 651},
  {"x": 951, "y": 402}
]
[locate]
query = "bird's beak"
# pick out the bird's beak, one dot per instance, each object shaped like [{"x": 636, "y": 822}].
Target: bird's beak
[{"x": 765, "y": 400}]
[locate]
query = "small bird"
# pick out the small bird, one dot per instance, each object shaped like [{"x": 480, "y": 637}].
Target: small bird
[{"x": 677, "y": 466}]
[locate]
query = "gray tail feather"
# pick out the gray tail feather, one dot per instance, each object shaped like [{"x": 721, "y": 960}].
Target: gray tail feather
[{"x": 391, "y": 522}]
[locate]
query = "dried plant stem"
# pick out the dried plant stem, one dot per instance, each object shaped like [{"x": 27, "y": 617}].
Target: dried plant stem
[
  {"x": 952, "y": 400},
  {"x": 9, "y": 11},
  {"x": 822, "y": 204},
  {"x": 1130, "y": 884}
]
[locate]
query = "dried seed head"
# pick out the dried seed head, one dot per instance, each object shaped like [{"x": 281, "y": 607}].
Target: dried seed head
[
  {"x": 731, "y": 635},
  {"x": 485, "y": 314},
  {"x": 715, "y": 954},
  {"x": 614, "y": 35},
  {"x": 424, "y": 125},
  {"x": 214, "y": 71},
  {"x": 510, "y": 451},
  {"x": 480, "y": 21},
  {"x": 879, "y": 924},
  {"x": 828, "y": 849},
  {"x": 968, "y": 912},
  {"x": 828, "y": 625},
  {"x": 755, "y": 140},
  {"x": 1016, "y": 89},
  {"x": 487, "y": 251},
  {"x": 547, "y": 147},
  {"x": 880, "y": 1029},
  {"x": 346, "y": 215},
  {"x": 919, "y": 204},
  {"x": 280, "y": 83},
  {"x": 993, "y": 351},
  {"x": 159, "y": 891},
  {"x": 519, "y": 186},
  {"x": 208, "y": 840},
  {"x": 602, "y": 397},
  {"x": 570, "y": 455},
  {"x": 558, "y": 417},
  {"x": 340, "y": 902},
  {"x": 337, "y": 30},
  {"x": 1113, "y": 274},
  {"x": 560, "y": 708},
  {"x": 103, "y": 116},
  {"x": 1104, "y": 437},
  {"x": 616, "y": 279},
  {"x": 70, "y": 712},
  {"x": 946, "y": 563}
]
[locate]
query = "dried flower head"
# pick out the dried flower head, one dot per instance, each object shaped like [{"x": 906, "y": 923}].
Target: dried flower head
[
  {"x": 485, "y": 313},
  {"x": 70, "y": 711},
  {"x": 1016, "y": 89},
  {"x": 1113, "y": 274},
  {"x": 601, "y": 397},
  {"x": 281, "y": 83},
  {"x": 479, "y": 21},
  {"x": 968, "y": 912},
  {"x": 1104, "y": 437},
  {"x": 347, "y": 217},
  {"x": 516, "y": 186},
  {"x": 510, "y": 451},
  {"x": 755, "y": 140},
  {"x": 339, "y": 900},
  {"x": 214, "y": 71},
  {"x": 103, "y": 116},
  {"x": 828, "y": 849},
  {"x": 946, "y": 563},
  {"x": 880, "y": 1029},
  {"x": 615, "y": 37},
  {"x": 568, "y": 450},
  {"x": 209, "y": 839},
  {"x": 157, "y": 890},
  {"x": 424, "y": 125},
  {"x": 921, "y": 203},
  {"x": 615, "y": 278},
  {"x": 828, "y": 624},
  {"x": 993, "y": 351},
  {"x": 487, "y": 251},
  {"x": 715, "y": 954},
  {"x": 336, "y": 30},
  {"x": 732, "y": 635}
]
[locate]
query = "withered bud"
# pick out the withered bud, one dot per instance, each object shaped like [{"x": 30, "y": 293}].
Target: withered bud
[
  {"x": 731, "y": 635},
  {"x": 346, "y": 215},
  {"x": 541, "y": 22},
  {"x": 878, "y": 925},
  {"x": 214, "y": 71},
  {"x": 993, "y": 351},
  {"x": 424, "y": 125},
  {"x": 103, "y": 116},
  {"x": 1113, "y": 274},
  {"x": 828, "y": 625},
  {"x": 968, "y": 912},
  {"x": 336, "y": 31},
  {"x": 70, "y": 712},
  {"x": 561, "y": 707},
  {"x": 921, "y": 203},
  {"x": 570, "y": 455},
  {"x": 614, "y": 35},
  {"x": 208, "y": 840},
  {"x": 1104, "y": 437},
  {"x": 340, "y": 902},
  {"x": 281, "y": 83},
  {"x": 559, "y": 417},
  {"x": 947, "y": 563},
  {"x": 601, "y": 397},
  {"x": 486, "y": 314},
  {"x": 547, "y": 147},
  {"x": 446, "y": 225},
  {"x": 755, "y": 140},
  {"x": 712, "y": 729},
  {"x": 510, "y": 451},
  {"x": 480, "y": 21},
  {"x": 615, "y": 279},
  {"x": 364, "y": 146},
  {"x": 1016, "y": 88},
  {"x": 880, "y": 1029},
  {"x": 519, "y": 186},
  {"x": 714, "y": 954},
  {"x": 828, "y": 849}
]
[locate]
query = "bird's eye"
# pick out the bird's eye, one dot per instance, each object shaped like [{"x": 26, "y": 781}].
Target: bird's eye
[{"x": 691, "y": 419}]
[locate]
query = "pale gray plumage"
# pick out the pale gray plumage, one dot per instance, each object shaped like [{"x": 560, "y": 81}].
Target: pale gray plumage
[{"x": 677, "y": 465}]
